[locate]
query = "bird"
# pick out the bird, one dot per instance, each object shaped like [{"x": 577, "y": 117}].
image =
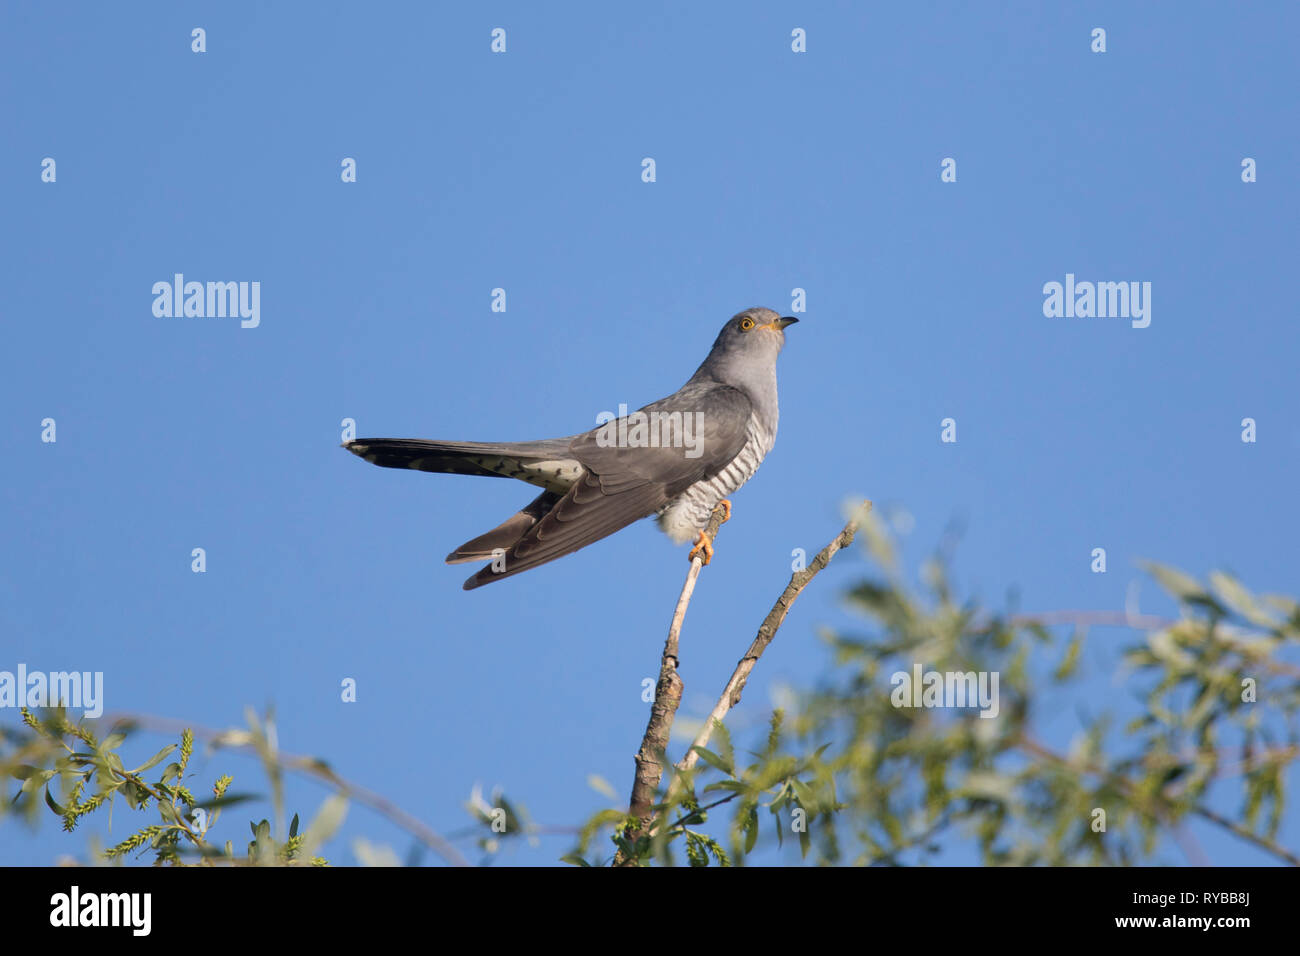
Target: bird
[{"x": 676, "y": 458}]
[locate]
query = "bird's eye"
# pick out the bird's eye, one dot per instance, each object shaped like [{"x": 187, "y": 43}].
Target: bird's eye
[{"x": 746, "y": 324}]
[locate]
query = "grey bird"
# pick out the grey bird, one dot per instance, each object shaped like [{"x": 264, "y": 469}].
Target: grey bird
[{"x": 676, "y": 458}]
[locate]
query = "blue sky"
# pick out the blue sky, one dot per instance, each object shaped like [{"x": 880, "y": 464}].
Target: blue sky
[{"x": 522, "y": 171}]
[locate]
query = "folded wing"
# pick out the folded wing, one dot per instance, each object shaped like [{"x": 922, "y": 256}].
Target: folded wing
[{"x": 622, "y": 481}]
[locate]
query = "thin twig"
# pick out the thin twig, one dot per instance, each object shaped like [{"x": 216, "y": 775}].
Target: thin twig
[
  {"x": 697, "y": 815},
  {"x": 1104, "y": 618},
  {"x": 766, "y": 633},
  {"x": 1262, "y": 842},
  {"x": 731, "y": 695},
  {"x": 236, "y": 739},
  {"x": 668, "y": 694},
  {"x": 1126, "y": 786}
]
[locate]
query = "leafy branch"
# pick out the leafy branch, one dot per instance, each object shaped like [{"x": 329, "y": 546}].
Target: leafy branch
[{"x": 1203, "y": 706}]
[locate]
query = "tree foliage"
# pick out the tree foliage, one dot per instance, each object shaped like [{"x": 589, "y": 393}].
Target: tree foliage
[
  {"x": 1200, "y": 715},
  {"x": 1198, "y": 721}
]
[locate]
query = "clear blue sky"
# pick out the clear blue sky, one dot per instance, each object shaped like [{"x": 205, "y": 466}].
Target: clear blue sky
[{"x": 775, "y": 171}]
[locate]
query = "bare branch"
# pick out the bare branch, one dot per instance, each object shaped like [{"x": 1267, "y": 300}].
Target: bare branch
[
  {"x": 668, "y": 693},
  {"x": 766, "y": 633},
  {"x": 1270, "y": 846}
]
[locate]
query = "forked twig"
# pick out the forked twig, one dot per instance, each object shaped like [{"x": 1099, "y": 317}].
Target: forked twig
[{"x": 668, "y": 690}]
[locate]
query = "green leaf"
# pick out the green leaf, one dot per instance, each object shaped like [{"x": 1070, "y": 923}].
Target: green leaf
[
  {"x": 37, "y": 779},
  {"x": 893, "y": 827},
  {"x": 1071, "y": 660},
  {"x": 155, "y": 759},
  {"x": 326, "y": 823},
  {"x": 1183, "y": 586},
  {"x": 225, "y": 800},
  {"x": 713, "y": 760},
  {"x": 725, "y": 750},
  {"x": 601, "y": 786},
  {"x": 49, "y": 801},
  {"x": 734, "y": 785},
  {"x": 1234, "y": 593},
  {"x": 807, "y": 799}
]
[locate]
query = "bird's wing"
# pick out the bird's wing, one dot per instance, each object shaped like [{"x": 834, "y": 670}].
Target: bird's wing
[{"x": 622, "y": 482}]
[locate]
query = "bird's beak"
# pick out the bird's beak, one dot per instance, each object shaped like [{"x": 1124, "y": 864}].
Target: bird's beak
[{"x": 780, "y": 325}]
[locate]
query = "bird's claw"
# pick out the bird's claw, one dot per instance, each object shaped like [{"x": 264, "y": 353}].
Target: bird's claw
[
  {"x": 703, "y": 548},
  {"x": 704, "y": 542}
]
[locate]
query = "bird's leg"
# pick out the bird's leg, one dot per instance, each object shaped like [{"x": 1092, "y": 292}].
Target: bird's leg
[
  {"x": 703, "y": 546},
  {"x": 704, "y": 541}
]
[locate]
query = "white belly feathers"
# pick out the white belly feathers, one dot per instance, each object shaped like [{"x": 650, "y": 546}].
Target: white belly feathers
[{"x": 687, "y": 514}]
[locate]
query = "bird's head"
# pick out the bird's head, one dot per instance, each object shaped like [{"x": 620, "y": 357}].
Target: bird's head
[
  {"x": 744, "y": 356},
  {"x": 750, "y": 339}
]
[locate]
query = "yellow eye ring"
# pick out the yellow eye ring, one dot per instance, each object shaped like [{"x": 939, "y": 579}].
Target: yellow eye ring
[{"x": 746, "y": 324}]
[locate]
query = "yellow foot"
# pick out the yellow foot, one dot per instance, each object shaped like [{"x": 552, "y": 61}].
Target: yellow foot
[
  {"x": 726, "y": 505},
  {"x": 703, "y": 546}
]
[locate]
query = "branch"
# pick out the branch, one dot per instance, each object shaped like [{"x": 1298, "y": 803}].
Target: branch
[
  {"x": 766, "y": 634},
  {"x": 310, "y": 767},
  {"x": 1137, "y": 622},
  {"x": 668, "y": 694},
  {"x": 1126, "y": 786},
  {"x": 1245, "y": 833}
]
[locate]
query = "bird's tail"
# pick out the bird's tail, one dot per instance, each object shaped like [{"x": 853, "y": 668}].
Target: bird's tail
[{"x": 547, "y": 463}]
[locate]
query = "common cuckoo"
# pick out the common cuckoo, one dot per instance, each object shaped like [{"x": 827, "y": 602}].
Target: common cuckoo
[{"x": 676, "y": 458}]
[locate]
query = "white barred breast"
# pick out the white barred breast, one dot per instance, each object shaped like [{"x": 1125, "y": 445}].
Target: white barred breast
[{"x": 687, "y": 514}]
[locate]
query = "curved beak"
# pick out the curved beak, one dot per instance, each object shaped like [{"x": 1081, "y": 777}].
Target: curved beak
[{"x": 782, "y": 323}]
